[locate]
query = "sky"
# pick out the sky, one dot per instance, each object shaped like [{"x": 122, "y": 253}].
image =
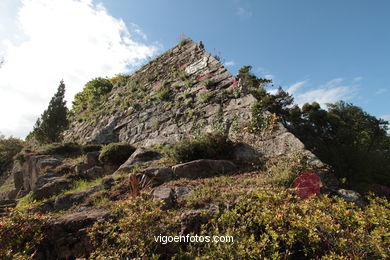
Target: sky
[{"x": 321, "y": 51}]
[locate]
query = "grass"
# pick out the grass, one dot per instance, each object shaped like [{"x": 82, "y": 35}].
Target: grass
[
  {"x": 205, "y": 96},
  {"x": 81, "y": 185},
  {"x": 28, "y": 202}
]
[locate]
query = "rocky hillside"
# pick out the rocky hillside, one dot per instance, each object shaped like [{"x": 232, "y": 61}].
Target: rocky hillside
[
  {"x": 178, "y": 149},
  {"x": 184, "y": 91}
]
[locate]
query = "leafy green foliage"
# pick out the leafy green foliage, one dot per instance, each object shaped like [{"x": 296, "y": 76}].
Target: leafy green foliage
[
  {"x": 250, "y": 81},
  {"x": 204, "y": 146},
  {"x": 349, "y": 139},
  {"x": 283, "y": 170},
  {"x": 9, "y": 147},
  {"x": 131, "y": 231},
  {"x": 53, "y": 121},
  {"x": 116, "y": 153},
  {"x": 20, "y": 234},
  {"x": 205, "y": 96},
  {"x": 271, "y": 225},
  {"x": 92, "y": 93},
  {"x": 91, "y": 148},
  {"x": 65, "y": 149}
]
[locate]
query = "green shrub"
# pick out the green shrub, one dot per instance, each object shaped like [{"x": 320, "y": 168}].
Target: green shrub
[
  {"x": 189, "y": 84},
  {"x": 205, "y": 96},
  {"x": 163, "y": 94},
  {"x": 270, "y": 225},
  {"x": 64, "y": 149},
  {"x": 131, "y": 230},
  {"x": 20, "y": 234},
  {"x": 205, "y": 146},
  {"x": 116, "y": 153},
  {"x": 208, "y": 83},
  {"x": 92, "y": 92},
  {"x": 91, "y": 148},
  {"x": 9, "y": 147},
  {"x": 283, "y": 170}
]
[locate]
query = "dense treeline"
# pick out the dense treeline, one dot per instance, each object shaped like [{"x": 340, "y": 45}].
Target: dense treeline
[{"x": 353, "y": 142}]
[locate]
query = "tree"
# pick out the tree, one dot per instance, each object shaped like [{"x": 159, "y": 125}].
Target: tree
[
  {"x": 9, "y": 147},
  {"x": 349, "y": 139},
  {"x": 53, "y": 121},
  {"x": 90, "y": 96}
]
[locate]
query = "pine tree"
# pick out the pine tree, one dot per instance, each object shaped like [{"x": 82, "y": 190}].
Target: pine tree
[{"x": 53, "y": 121}]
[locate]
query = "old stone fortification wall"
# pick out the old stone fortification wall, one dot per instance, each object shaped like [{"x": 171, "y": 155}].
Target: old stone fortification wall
[{"x": 199, "y": 106}]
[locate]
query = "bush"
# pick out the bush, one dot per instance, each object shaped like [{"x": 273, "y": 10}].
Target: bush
[
  {"x": 283, "y": 170},
  {"x": 116, "y": 153},
  {"x": 20, "y": 234},
  {"x": 131, "y": 231},
  {"x": 269, "y": 225},
  {"x": 9, "y": 147},
  {"x": 91, "y": 148},
  {"x": 64, "y": 149},
  {"x": 205, "y": 146},
  {"x": 92, "y": 92}
]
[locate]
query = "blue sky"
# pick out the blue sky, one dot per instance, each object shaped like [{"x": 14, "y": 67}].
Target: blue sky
[{"x": 317, "y": 50}]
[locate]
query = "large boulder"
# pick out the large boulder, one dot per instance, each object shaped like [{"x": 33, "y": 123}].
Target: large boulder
[
  {"x": 203, "y": 168},
  {"x": 192, "y": 220},
  {"x": 166, "y": 195},
  {"x": 94, "y": 173},
  {"x": 17, "y": 173},
  {"x": 66, "y": 237},
  {"x": 244, "y": 153},
  {"x": 51, "y": 188},
  {"x": 158, "y": 175},
  {"x": 140, "y": 156},
  {"x": 33, "y": 166},
  {"x": 66, "y": 201},
  {"x": 92, "y": 159}
]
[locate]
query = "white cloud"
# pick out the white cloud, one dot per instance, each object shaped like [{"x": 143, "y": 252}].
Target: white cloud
[
  {"x": 358, "y": 78},
  {"x": 73, "y": 40},
  {"x": 381, "y": 91},
  {"x": 229, "y": 63},
  {"x": 244, "y": 13},
  {"x": 296, "y": 86},
  {"x": 330, "y": 92}
]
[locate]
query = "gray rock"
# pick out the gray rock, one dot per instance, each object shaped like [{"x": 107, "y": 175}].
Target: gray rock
[
  {"x": 92, "y": 159},
  {"x": 46, "y": 178},
  {"x": 166, "y": 195},
  {"x": 66, "y": 201},
  {"x": 203, "y": 168},
  {"x": 94, "y": 173},
  {"x": 159, "y": 175},
  {"x": 80, "y": 168},
  {"x": 182, "y": 192},
  {"x": 50, "y": 162},
  {"x": 351, "y": 196},
  {"x": 141, "y": 155},
  {"x": 192, "y": 220},
  {"x": 51, "y": 188},
  {"x": 17, "y": 172},
  {"x": 66, "y": 237},
  {"x": 244, "y": 153}
]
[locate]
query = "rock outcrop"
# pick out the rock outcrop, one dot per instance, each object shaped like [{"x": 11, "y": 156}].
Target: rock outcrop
[{"x": 200, "y": 95}]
